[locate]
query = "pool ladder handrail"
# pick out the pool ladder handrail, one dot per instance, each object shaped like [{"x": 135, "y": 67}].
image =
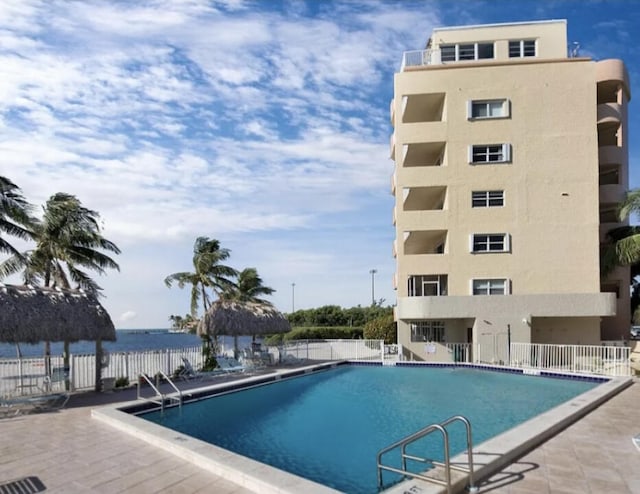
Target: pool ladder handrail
[
  {"x": 160, "y": 398},
  {"x": 403, "y": 443}
]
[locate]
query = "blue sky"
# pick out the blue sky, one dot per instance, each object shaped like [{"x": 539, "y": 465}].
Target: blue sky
[{"x": 263, "y": 124}]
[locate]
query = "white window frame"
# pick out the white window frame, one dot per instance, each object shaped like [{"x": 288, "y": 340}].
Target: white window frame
[
  {"x": 487, "y": 198},
  {"x": 427, "y": 331},
  {"x": 465, "y": 47},
  {"x": 489, "y": 240},
  {"x": 489, "y": 104},
  {"x": 417, "y": 285},
  {"x": 500, "y": 151},
  {"x": 524, "y": 49},
  {"x": 491, "y": 285}
]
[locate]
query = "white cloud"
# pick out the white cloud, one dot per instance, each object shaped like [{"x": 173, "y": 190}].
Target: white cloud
[
  {"x": 263, "y": 125},
  {"x": 180, "y": 119},
  {"x": 127, "y": 316}
]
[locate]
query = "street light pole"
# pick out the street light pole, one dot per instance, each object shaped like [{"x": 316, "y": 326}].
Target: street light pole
[
  {"x": 373, "y": 286},
  {"x": 293, "y": 297}
]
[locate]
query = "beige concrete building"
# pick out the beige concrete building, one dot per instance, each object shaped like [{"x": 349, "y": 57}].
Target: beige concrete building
[{"x": 510, "y": 159}]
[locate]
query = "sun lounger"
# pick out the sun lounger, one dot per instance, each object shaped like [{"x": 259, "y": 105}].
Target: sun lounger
[
  {"x": 230, "y": 364},
  {"x": 188, "y": 372},
  {"x": 36, "y": 403},
  {"x": 290, "y": 359},
  {"x": 256, "y": 359}
]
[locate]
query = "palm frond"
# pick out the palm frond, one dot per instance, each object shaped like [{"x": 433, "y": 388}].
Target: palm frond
[{"x": 630, "y": 205}]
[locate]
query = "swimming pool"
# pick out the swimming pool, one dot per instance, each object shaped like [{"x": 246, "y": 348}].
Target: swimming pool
[{"x": 328, "y": 426}]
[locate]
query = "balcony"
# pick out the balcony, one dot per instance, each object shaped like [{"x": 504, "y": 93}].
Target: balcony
[
  {"x": 419, "y": 58},
  {"x": 425, "y": 242},
  {"x": 427, "y": 107},
  {"x": 609, "y": 212},
  {"x": 392, "y": 111},
  {"x": 608, "y": 134},
  {"x": 609, "y": 114},
  {"x": 610, "y": 175},
  {"x": 611, "y": 193},
  {"x": 611, "y": 155},
  {"x": 424, "y": 198},
  {"x": 392, "y": 146},
  {"x": 423, "y": 154},
  {"x": 612, "y": 76}
]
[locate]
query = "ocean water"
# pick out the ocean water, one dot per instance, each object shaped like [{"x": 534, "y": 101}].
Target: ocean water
[{"x": 126, "y": 341}]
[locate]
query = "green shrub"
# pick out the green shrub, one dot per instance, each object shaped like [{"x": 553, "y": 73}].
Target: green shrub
[
  {"x": 382, "y": 328},
  {"x": 178, "y": 371},
  {"x": 316, "y": 333},
  {"x": 122, "y": 382},
  {"x": 324, "y": 333}
]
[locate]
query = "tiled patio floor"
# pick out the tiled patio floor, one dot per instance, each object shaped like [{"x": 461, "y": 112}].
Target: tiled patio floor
[{"x": 69, "y": 452}]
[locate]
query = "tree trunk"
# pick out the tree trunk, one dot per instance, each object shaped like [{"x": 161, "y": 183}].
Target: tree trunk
[
  {"x": 98, "y": 383},
  {"x": 66, "y": 366},
  {"x": 47, "y": 359}
]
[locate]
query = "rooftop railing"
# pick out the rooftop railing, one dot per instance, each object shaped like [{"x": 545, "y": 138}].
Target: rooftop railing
[{"x": 420, "y": 58}]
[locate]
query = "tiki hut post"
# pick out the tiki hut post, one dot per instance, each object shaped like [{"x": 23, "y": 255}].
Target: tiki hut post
[
  {"x": 98, "y": 383},
  {"x": 47, "y": 358},
  {"x": 66, "y": 367}
]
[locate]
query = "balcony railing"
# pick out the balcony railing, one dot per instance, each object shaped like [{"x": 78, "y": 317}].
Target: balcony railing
[{"x": 420, "y": 58}]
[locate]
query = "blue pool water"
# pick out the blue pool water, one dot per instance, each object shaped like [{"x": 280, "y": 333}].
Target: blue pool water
[{"x": 329, "y": 426}]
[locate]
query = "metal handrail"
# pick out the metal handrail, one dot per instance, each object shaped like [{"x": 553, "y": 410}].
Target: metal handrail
[
  {"x": 159, "y": 397},
  {"x": 403, "y": 443}
]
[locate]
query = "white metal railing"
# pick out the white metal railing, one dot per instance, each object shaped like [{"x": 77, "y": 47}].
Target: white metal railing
[
  {"x": 334, "y": 349},
  {"x": 460, "y": 352},
  {"x": 588, "y": 359},
  {"x": 420, "y": 58},
  {"x": 28, "y": 376},
  {"x": 25, "y": 376}
]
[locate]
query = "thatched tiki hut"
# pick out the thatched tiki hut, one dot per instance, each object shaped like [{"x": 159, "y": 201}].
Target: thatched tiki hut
[
  {"x": 235, "y": 318},
  {"x": 33, "y": 314}
]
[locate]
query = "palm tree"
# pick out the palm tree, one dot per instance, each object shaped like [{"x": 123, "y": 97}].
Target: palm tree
[
  {"x": 622, "y": 247},
  {"x": 15, "y": 216},
  {"x": 624, "y": 242},
  {"x": 248, "y": 288},
  {"x": 67, "y": 238},
  {"x": 208, "y": 272}
]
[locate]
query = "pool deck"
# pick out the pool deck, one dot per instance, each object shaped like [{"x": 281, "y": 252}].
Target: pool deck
[{"x": 69, "y": 451}]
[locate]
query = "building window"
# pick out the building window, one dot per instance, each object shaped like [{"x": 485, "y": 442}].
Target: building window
[
  {"x": 487, "y": 198},
  {"x": 489, "y": 242},
  {"x": 427, "y": 331},
  {"x": 522, "y": 48},
  {"x": 434, "y": 285},
  {"x": 495, "y": 286},
  {"x": 490, "y": 153},
  {"x": 467, "y": 51},
  {"x": 481, "y": 109}
]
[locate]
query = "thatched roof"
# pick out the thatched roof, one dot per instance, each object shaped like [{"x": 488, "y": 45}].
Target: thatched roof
[
  {"x": 32, "y": 314},
  {"x": 233, "y": 318}
]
